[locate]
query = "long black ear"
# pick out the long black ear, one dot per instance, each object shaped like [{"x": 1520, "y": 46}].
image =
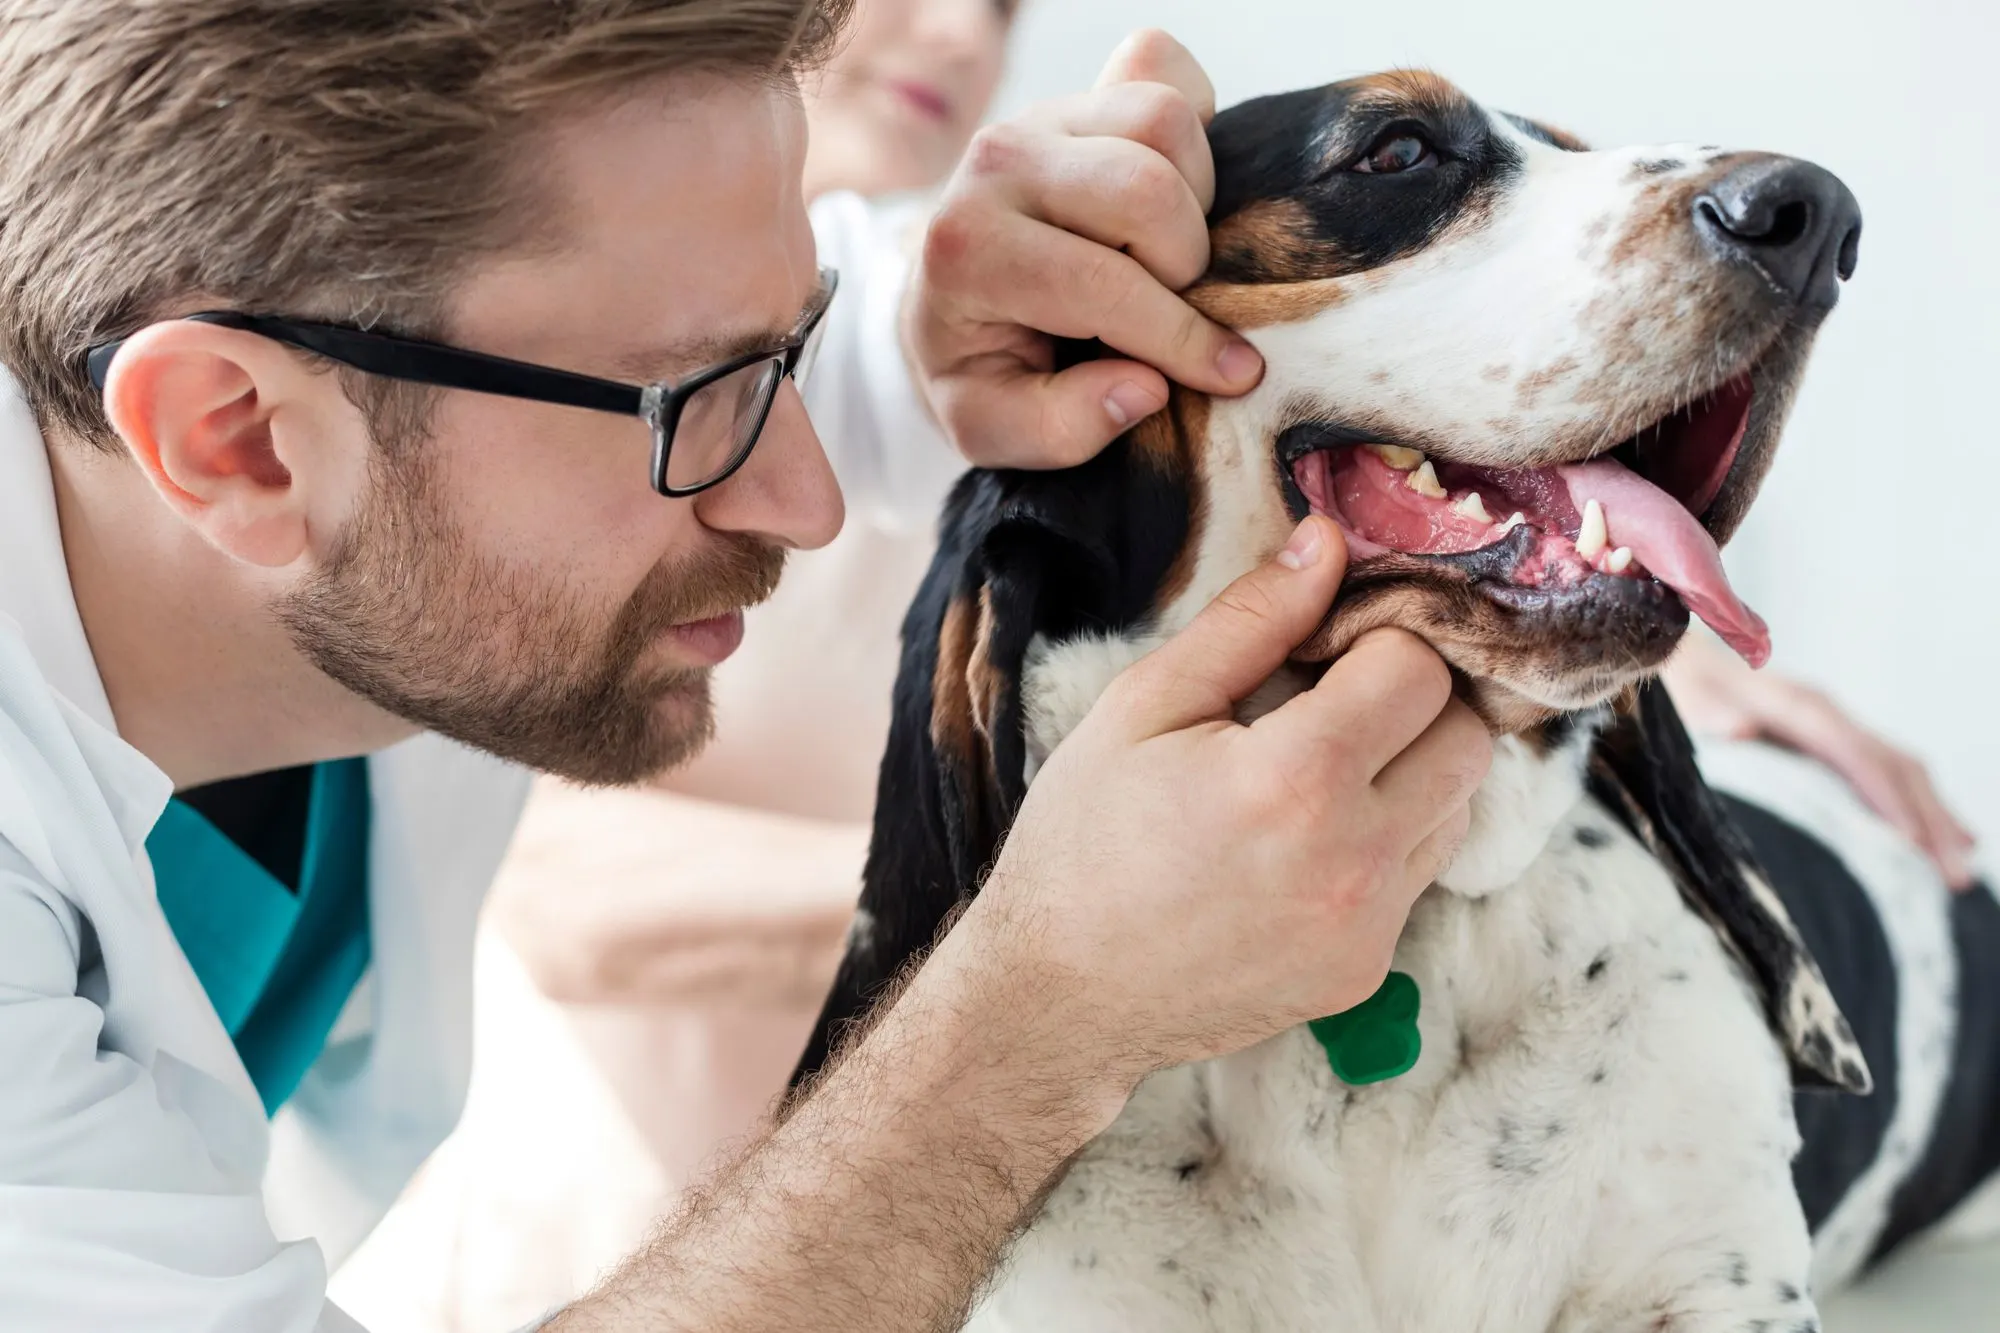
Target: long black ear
[
  {"x": 1020, "y": 555},
  {"x": 1643, "y": 769}
]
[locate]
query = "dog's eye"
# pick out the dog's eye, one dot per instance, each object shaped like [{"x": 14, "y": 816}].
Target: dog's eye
[{"x": 1398, "y": 151}]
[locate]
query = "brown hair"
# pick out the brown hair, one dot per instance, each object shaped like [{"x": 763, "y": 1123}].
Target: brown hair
[{"x": 335, "y": 159}]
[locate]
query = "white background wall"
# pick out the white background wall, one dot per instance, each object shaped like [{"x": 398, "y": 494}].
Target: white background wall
[{"x": 1870, "y": 552}]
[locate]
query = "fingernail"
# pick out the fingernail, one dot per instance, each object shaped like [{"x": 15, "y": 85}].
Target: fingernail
[
  {"x": 1129, "y": 402},
  {"x": 1303, "y": 550},
  {"x": 1239, "y": 362}
]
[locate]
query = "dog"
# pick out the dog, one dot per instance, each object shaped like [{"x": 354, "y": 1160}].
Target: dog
[{"x": 1537, "y": 386}]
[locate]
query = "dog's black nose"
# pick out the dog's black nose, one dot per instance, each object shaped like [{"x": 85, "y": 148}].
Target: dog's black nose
[{"x": 1797, "y": 223}]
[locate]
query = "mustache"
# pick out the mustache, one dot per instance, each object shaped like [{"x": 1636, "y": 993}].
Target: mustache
[{"x": 734, "y": 573}]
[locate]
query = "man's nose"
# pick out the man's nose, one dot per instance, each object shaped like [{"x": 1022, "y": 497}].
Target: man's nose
[
  {"x": 1796, "y": 223},
  {"x": 785, "y": 493}
]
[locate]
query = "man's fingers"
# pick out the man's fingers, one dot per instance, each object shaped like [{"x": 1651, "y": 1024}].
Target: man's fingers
[
  {"x": 1377, "y": 697},
  {"x": 1006, "y": 415},
  {"x": 1240, "y": 639},
  {"x": 1150, "y": 115},
  {"x": 1439, "y": 770},
  {"x": 1434, "y": 855},
  {"x": 1151, "y": 56},
  {"x": 1107, "y": 188},
  {"x": 1015, "y": 271}
]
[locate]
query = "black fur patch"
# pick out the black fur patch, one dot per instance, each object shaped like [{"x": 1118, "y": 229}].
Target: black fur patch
[
  {"x": 1964, "y": 1148},
  {"x": 1301, "y": 147},
  {"x": 1057, "y": 554},
  {"x": 1643, "y": 769},
  {"x": 1837, "y": 920}
]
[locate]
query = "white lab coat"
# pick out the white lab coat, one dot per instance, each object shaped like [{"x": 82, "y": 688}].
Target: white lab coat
[{"x": 141, "y": 1186}]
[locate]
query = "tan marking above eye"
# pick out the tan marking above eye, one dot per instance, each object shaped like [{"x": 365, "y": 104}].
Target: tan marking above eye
[
  {"x": 1256, "y": 305},
  {"x": 1272, "y": 239}
]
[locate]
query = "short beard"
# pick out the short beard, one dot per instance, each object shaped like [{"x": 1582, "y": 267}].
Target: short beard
[{"x": 492, "y": 656}]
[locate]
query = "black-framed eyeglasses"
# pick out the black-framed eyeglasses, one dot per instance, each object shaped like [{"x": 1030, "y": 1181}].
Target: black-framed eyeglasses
[{"x": 704, "y": 426}]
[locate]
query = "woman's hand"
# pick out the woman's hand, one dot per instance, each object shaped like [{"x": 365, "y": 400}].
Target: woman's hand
[{"x": 1718, "y": 694}]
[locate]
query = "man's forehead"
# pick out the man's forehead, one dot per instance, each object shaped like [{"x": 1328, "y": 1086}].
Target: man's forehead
[{"x": 677, "y": 233}]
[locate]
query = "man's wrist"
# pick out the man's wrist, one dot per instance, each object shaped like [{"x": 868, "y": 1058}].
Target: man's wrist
[{"x": 1019, "y": 1034}]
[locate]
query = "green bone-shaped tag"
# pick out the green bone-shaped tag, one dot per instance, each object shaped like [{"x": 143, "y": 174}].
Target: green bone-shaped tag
[{"x": 1376, "y": 1039}]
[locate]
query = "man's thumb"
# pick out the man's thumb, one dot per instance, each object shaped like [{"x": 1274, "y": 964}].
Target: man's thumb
[{"x": 1241, "y": 638}]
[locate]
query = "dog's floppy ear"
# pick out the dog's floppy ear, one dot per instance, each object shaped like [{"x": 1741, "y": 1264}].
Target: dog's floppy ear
[
  {"x": 1643, "y": 769},
  {"x": 1020, "y": 555}
]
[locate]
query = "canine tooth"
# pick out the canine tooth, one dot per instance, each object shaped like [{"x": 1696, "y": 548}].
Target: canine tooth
[
  {"x": 1595, "y": 535},
  {"x": 1472, "y": 507},
  {"x": 1396, "y": 456},
  {"x": 1424, "y": 481},
  {"x": 1515, "y": 520},
  {"x": 1619, "y": 560}
]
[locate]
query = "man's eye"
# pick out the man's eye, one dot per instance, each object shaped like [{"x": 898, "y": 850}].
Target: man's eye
[{"x": 1398, "y": 152}]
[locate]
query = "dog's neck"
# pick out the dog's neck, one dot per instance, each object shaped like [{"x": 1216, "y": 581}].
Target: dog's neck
[{"x": 1536, "y": 779}]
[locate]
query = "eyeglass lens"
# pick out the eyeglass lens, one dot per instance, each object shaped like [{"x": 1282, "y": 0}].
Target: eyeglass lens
[{"x": 720, "y": 422}]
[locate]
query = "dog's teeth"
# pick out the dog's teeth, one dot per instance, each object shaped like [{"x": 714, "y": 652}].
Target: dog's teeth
[
  {"x": 1472, "y": 507},
  {"x": 1515, "y": 520},
  {"x": 1396, "y": 456},
  {"x": 1595, "y": 536},
  {"x": 1619, "y": 560},
  {"x": 1424, "y": 481}
]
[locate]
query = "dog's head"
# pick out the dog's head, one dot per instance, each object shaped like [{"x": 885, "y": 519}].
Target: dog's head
[{"x": 1536, "y": 386}]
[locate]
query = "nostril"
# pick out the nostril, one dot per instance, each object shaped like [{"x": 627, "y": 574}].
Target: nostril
[
  {"x": 1781, "y": 225},
  {"x": 1789, "y": 225},
  {"x": 1850, "y": 253}
]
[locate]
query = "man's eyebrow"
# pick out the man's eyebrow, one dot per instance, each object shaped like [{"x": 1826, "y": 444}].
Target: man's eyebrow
[{"x": 674, "y": 360}]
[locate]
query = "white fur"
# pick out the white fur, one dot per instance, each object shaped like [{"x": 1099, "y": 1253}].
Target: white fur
[
  {"x": 1554, "y": 1162},
  {"x": 1515, "y": 339}
]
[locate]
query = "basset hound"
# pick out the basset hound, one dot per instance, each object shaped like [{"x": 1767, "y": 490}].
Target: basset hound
[{"x": 1537, "y": 386}]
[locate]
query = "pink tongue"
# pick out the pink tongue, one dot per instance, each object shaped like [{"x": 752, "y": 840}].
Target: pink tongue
[{"x": 1671, "y": 542}]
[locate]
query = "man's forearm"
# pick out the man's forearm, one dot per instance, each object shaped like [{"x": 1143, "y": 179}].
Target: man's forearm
[{"x": 882, "y": 1201}]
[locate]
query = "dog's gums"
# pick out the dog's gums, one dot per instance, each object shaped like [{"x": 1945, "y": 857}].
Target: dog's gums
[{"x": 1632, "y": 513}]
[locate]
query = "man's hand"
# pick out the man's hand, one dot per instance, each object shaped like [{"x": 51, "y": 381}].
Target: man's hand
[
  {"x": 1081, "y": 219},
  {"x": 1182, "y": 885},
  {"x": 1718, "y": 694},
  {"x": 1177, "y": 885}
]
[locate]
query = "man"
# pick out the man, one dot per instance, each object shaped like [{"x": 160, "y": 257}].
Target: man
[{"x": 414, "y": 381}]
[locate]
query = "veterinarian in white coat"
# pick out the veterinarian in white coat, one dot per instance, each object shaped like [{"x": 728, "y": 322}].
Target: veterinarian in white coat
[{"x": 243, "y": 600}]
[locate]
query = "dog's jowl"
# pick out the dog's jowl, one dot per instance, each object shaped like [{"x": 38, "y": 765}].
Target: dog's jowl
[{"x": 1537, "y": 387}]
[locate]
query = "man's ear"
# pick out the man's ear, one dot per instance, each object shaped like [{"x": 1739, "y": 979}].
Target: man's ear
[
  {"x": 1643, "y": 769},
  {"x": 194, "y": 405}
]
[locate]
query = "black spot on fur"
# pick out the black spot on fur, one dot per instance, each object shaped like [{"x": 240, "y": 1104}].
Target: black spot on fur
[
  {"x": 1170, "y": 1266},
  {"x": 1597, "y": 966},
  {"x": 1592, "y": 838},
  {"x": 1599, "y": 1074},
  {"x": 1191, "y": 1168},
  {"x": 1677, "y": 976},
  {"x": 1739, "y": 1270}
]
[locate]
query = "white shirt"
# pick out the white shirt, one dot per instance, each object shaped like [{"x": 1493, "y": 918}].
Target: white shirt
[{"x": 141, "y": 1186}]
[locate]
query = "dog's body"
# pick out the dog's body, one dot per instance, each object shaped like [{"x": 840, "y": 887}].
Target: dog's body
[{"x": 1600, "y": 1132}]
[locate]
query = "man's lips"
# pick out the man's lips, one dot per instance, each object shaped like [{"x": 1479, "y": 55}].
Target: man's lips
[{"x": 709, "y": 642}]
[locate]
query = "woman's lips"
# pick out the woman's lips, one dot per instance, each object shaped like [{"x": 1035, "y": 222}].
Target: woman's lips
[
  {"x": 927, "y": 100},
  {"x": 709, "y": 642}
]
